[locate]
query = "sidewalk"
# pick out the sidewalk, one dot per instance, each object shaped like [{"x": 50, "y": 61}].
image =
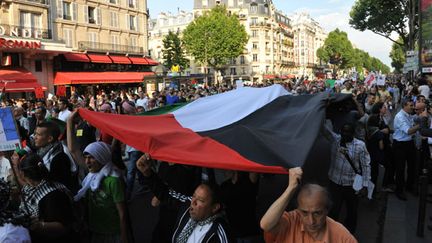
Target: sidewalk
[{"x": 401, "y": 220}]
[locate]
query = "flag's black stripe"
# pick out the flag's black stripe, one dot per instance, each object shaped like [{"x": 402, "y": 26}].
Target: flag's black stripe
[{"x": 281, "y": 133}]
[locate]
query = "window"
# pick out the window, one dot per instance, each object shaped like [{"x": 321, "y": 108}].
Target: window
[
  {"x": 243, "y": 71},
  {"x": 115, "y": 41},
  {"x": 255, "y": 57},
  {"x": 132, "y": 22},
  {"x": 254, "y": 33},
  {"x": 132, "y": 3},
  {"x": 242, "y": 60},
  {"x": 38, "y": 65},
  {"x": 230, "y": 3},
  {"x": 254, "y": 20},
  {"x": 10, "y": 59},
  {"x": 204, "y": 3},
  {"x": 114, "y": 19},
  {"x": 254, "y": 8},
  {"x": 91, "y": 11},
  {"x": 30, "y": 20},
  {"x": 255, "y": 45},
  {"x": 266, "y": 8},
  {"x": 267, "y": 69},
  {"x": 233, "y": 61},
  {"x": 133, "y": 42},
  {"x": 67, "y": 11},
  {"x": 255, "y": 69},
  {"x": 92, "y": 38},
  {"x": 67, "y": 37},
  {"x": 233, "y": 71},
  {"x": 113, "y": 1}
]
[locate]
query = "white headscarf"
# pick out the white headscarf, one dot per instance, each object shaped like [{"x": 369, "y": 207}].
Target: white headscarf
[{"x": 101, "y": 152}]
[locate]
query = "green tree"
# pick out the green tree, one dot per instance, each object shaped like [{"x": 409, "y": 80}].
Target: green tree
[
  {"x": 215, "y": 37},
  {"x": 397, "y": 54},
  {"x": 337, "y": 50},
  {"x": 384, "y": 17},
  {"x": 173, "y": 52}
]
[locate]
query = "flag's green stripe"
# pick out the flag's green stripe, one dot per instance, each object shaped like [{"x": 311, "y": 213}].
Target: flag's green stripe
[{"x": 163, "y": 110}]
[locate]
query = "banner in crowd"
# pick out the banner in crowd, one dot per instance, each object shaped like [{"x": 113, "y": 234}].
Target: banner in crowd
[
  {"x": 249, "y": 129},
  {"x": 9, "y": 138},
  {"x": 426, "y": 32}
]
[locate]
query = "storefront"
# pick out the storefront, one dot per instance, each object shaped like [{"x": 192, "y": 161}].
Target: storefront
[
  {"x": 26, "y": 56},
  {"x": 91, "y": 72}
]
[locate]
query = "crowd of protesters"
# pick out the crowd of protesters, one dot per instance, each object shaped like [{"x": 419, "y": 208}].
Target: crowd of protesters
[{"x": 75, "y": 182}]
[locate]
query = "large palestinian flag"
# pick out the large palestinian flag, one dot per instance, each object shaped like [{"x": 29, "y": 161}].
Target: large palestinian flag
[{"x": 249, "y": 129}]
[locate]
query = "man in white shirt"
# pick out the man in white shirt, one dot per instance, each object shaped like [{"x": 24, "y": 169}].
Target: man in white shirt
[
  {"x": 142, "y": 100},
  {"x": 424, "y": 88},
  {"x": 64, "y": 111}
]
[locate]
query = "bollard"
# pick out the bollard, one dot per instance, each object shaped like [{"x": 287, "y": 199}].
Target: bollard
[{"x": 422, "y": 205}]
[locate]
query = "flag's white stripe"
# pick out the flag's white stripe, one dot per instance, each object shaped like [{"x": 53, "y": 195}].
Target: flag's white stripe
[{"x": 217, "y": 111}]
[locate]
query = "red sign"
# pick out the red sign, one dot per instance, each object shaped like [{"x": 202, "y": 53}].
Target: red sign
[
  {"x": 39, "y": 93},
  {"x": 61, "y": 91},
  {"x": 24, "y": 44}
]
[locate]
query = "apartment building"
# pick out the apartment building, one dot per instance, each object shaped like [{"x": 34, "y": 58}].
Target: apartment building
[
  {"x": 114, "y": 26},
  {"x": 269, "y": 52},
  {"x": 308, "y": 37},
  {"x": 27, "y": 47},
  {"x": 161, "y": 26}
]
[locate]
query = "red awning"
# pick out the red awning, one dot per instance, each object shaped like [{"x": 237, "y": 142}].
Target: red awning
[
  {"x": 139, "y": 60},
  {"x": 270, "y": 76},
  {"x": 151, "y": 62},
  {"x": 99, "y": 58},
  {"x": 18, "y": 80},
  {"x": 120, "y": 59},
  {"x": 63, "y": 78},
  {"x": 76, "y": 57}
]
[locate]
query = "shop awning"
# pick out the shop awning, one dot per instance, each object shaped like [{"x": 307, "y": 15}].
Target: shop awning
[
  {"x": 151, "y": 62},
  {"x": 18, "y": 80},
  {"x": 269, "y": 76},
  {"x": 120, "y": 59},
  {"x": 76, "y": 57},
  {"x": 139, "y": 60},
  {"x": 99, "y": 58},
  {"x": 63, "y": 78}
]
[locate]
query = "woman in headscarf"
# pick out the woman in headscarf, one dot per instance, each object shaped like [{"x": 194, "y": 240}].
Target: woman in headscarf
[
  {"x": 48, "y": 203},
  {"x": 103, "y": 188}
]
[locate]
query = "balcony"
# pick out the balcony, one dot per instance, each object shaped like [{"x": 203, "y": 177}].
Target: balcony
[
  {"x": 45, "y": 2},
  {"x": 27, "y": 32},
  {"x": 259, "y": 24},
  {"x": 109, "y": 47}
]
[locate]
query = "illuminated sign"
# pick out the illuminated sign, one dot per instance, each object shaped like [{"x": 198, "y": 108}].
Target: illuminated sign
[{"x": 23, "y": 44}]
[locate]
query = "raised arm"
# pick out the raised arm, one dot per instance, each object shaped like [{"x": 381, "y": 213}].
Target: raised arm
[{"x": 271, "y": 218}]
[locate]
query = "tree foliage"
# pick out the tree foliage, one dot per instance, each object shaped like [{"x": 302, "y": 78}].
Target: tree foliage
[
  {"x": 397, "y": 54},
  {"x": 215, "y": 37},
  {"x": 385, "y": 17},
  {"x": 173, "y": 53},
  {"x": 337, "y": 50}
]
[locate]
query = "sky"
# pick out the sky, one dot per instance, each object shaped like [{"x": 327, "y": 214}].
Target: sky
[{"x": 331, "y": 14}]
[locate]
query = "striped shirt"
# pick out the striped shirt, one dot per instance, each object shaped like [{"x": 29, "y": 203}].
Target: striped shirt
[{"x": 341, "y": 172}]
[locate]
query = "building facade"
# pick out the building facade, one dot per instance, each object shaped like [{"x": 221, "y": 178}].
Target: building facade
[
  {"x": 27, "y": 46},
  {"x": 45, "y": 37},
  {"x": 309, "y": 36},
  {"x": 161, "y": 26},
  {"x": 114, "y": 26},
  {"x": 269, "y": 52}
]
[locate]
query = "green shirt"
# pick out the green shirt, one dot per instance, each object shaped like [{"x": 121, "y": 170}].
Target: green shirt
[{"x": 103, "y": 214}]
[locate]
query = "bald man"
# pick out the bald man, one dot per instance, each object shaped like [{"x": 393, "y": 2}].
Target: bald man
[{"x": 309, "y": 222}]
